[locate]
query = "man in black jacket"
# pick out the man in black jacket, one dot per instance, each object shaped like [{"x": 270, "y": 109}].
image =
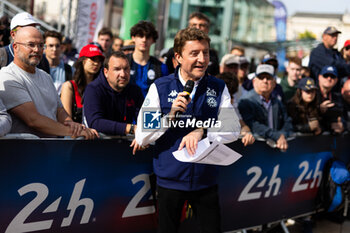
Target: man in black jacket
[
  {"x": 325, "y": 55},
  {"x": 330, "y": 101}
]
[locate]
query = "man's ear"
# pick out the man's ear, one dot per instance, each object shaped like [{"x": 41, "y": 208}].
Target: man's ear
[
  {"x": 12, "y": 34},
  {"x": 178, "y": 58},
  {"x": 15, "y": 46},
  {"x": 105, "y": 72}
]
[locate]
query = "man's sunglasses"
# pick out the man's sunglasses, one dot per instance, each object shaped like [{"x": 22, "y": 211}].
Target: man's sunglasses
[
  {"x": 262, "y": 77},
  {"x": 347, "y": 47},
  {"x": 329, "y": 76}
]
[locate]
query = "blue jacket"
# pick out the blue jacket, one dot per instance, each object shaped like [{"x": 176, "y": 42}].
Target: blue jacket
[
  {"x": 154, "y": 68},
  {"x": 109, "y": 111},
  {"x": 255, "y": 116},
  {"x": 321, "y": 56},
  {"x": 170, "y": 172}
]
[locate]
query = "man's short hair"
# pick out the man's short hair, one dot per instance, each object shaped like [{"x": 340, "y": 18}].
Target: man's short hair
[
  {"x": 116, "y": 54},
  {"x": 239, "y": 48},
  {"x": 188, "y": 34},
  {"x": 144, "y": 28},
  {"x": 117, "y": 37},
  {"x": 105, "y": 31},
  {"x": 295, "y": 60},
  {"x": 199, "y": 15},
  {"x": 54, "y": 34}
]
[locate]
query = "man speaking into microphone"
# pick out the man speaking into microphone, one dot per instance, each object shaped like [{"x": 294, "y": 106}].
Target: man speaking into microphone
[{"x": 174, "y": 116}]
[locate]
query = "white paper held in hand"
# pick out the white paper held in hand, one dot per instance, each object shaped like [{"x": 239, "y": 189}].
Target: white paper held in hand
[{"x": 216, "y": 153}]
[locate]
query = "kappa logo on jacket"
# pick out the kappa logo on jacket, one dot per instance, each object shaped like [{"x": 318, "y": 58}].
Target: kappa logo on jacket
[{"x": 172, "y": 95}]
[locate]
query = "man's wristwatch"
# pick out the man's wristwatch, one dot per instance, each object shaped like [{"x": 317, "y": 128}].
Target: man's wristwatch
[
  {"x": 205, "y": 132},
  {"x": 131, "y": 131}
]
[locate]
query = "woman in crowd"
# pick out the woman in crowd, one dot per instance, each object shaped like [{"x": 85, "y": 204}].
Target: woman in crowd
[
  {"x": 232, "y": 85},
  {"x": 304, "y": 109},
  {"x": 87, "y": 68},
  {"x": 345, "y": 51}
]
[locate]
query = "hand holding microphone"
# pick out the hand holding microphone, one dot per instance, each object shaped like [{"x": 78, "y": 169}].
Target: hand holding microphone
[{"x": 182, "y": 100}]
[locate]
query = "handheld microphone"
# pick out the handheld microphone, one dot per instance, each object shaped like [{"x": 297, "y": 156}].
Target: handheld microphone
[{"x": 188, "y": 89}]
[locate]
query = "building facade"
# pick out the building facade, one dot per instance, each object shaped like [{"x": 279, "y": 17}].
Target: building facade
[
  {"x": 232, "y": 22},
  {"x": 317, "y": 23}
]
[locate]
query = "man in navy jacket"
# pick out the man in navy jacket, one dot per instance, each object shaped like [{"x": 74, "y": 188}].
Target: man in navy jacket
[
  {"x": 178, "y": 181},
  {"x": 262, "y": 112},
  {"x": 325, "y": 55},
  {"x": 111, "y": 104}
]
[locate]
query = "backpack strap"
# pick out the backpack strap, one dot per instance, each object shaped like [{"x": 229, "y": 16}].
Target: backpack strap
[
  {"x": 156, "y": 66},
  {"x": 77, "y": 97}
]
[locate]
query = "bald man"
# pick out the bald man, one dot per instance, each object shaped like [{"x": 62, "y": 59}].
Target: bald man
[
  {"x": 19, "y": 21},
  {"x": 29, "y": 94}
]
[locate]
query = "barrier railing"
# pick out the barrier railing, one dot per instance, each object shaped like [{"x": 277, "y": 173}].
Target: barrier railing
[{"x": 93, "y": 186}]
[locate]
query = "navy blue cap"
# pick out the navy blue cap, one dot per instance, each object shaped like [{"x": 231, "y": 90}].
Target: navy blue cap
[
  {"x": 331, "y": 30},
  {"x": 269, "y": 56},
  {"x": 329, "y": 70},
  {"x": 306, "y": 84}
]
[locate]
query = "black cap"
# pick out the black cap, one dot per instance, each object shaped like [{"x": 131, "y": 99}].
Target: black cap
[
  {"x": 66, "y": 40},
  {"x": 331, "y": 30},
  {"x": 307, "y": 84}
]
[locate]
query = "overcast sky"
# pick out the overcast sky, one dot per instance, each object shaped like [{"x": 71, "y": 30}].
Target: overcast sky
[{"x": 317, "y": 6}]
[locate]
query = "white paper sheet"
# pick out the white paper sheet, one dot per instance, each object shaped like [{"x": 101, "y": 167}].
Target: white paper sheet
[{"x": 216, "y": 153}]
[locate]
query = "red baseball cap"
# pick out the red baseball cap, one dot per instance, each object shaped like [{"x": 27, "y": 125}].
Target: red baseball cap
[
  {"x": 347, "y": 43},
  {"x": 90, "y": 50}
]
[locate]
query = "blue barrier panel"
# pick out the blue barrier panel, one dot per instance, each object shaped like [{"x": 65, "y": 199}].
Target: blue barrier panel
[
  {"x": 74, "y": 186},
  {"x": 94, "y": 186},
  {"x": 267, "y": 185}
]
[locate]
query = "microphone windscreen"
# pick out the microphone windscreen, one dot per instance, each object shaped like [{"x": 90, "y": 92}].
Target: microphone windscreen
[{"x": 189, "y": 86}]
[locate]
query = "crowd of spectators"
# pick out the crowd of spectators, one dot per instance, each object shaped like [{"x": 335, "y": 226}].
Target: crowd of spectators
[
  {"x": 49, "y": 89},
  {"x": 103, "y": 86}
]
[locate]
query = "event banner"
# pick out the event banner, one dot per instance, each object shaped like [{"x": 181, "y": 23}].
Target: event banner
[
  {"x": 89, "y": 21},
  {"x": 281, "y": 31},
  {"x": 99, "y": 186}
]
